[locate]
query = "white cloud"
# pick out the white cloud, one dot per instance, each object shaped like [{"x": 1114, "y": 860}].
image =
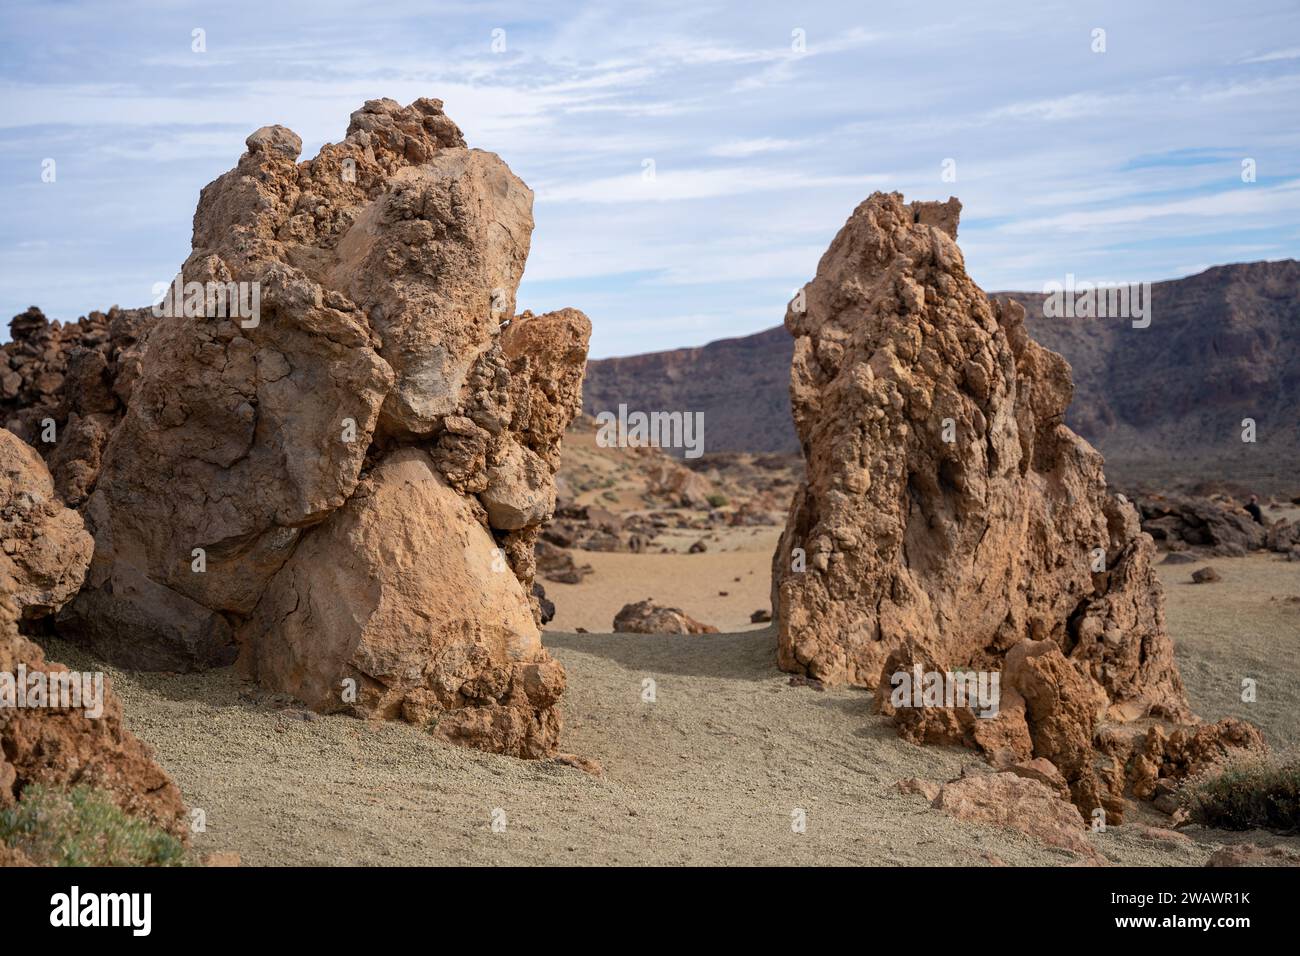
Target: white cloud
[
  {"x": 743, "y": 148},
  {"x": 761, "y": 152},
  {"x": 1241, "y": 201},
  {"x": 670, "y": 185},
  {"x": 1293, "y": 53}
]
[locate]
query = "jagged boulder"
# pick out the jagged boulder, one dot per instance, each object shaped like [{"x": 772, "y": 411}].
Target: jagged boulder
[
  {"x": 1018, "y": 802},
  {"x": 44, "y": 549},
  {"x": 949, "y": 520},
  {"x": 1220, "y": 527},
  {"x": 337, "y": 327},
  {"x": 82, "y": 739},
  {"x": 63, "y": 388}
]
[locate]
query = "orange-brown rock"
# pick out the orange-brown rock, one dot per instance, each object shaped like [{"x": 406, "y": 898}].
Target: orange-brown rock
[
  {"x": 44, "y": 549},
  {"x": 63, "y": 387},
  {"x": 82, "y": 740},
  {"x": 950, "y": 522},
  {"x": 65, "y": 747},
  {"x": 400, "y": 605},
  {"x": 1018, "y": 803},
  {"x": 646, "y": 617},
  {"x": 1251, "y": 854},
  {"x": 354, "y": 323}
]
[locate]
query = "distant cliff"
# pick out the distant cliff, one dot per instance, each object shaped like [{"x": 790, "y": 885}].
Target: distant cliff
[{"x": 1222, "y": 346}]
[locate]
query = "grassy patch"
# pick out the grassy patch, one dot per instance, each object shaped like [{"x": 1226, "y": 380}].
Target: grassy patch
[
  {"x": 83, "y": 827},
  {"x": 1253, "y": 792}
]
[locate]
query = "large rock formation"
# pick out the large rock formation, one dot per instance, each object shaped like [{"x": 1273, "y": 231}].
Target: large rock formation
[
  {"x": 64, "y": 745},
  {"x": 329, "y": 409},
  {"x": 402, "y": 587},
  {"x": 950, "y": 521}
]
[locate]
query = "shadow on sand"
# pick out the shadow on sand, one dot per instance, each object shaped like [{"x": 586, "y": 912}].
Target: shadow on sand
[{"x": 747, "y": 655}]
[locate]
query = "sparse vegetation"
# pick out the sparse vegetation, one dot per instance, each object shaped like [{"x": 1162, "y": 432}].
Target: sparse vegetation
[
  {"x": 83, "y": 827},
  {"x": 716, "y": 500},
  {"x": 1259, "y": 792}
]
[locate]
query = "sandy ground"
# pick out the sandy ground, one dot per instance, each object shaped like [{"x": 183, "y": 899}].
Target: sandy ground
[
  {"x": 1246, "y": 626},
  {"x": 709, "y": 772},
  {"x": 738, "y": 563}
]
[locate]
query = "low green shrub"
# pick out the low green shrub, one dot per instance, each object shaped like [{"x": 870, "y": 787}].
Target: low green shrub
[
  {"x": 1244, "y": 794},
  {"x": 84, "y": 827}
]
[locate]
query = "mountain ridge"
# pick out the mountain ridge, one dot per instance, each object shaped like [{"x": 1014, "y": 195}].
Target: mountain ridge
[{"x": 1221, "y": 348}]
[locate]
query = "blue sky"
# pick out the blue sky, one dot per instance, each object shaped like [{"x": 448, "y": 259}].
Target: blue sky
[{"x": 1117, "y": 166}]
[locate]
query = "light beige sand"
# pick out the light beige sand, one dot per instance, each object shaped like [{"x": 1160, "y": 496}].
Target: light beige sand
[
  {"x": 709, "y": 773},
  {"x": 1241, "y": 627},
  {"x": 692, "y": 582}
]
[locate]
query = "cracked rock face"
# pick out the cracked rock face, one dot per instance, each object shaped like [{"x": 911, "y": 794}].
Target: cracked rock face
[
  {"x": 371, "y": 401},
  {"x": 420, "y": 613},
  {"x": 950, "y": 520}
]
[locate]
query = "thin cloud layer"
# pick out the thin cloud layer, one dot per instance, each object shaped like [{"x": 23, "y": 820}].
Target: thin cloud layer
[{"x": 689, "y": 161}]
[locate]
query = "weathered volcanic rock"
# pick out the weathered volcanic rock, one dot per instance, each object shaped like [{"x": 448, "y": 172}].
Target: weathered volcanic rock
[
  {"x": 950, "y": 520},
  {"x": 546, "y": 356},
  {"x": 1221, "y": 527},
  {"x": 44, "y": 549},
  {"x": 557, "y": 564},
  {"x": 1283, "y": 536},
  {"x": 65, "y": 747},
  {"x": 1250, "y": 854},
  {"x": 646, "y": 617},
  {"x": 60, "y": 746},
  {"x": 1162, "y": 403},
  {"x": 1019, "y": 803},
  {"x": 64, "y": 387},
  {"x": 422, "y": 616},
  {"x": 269, "y": 429}
]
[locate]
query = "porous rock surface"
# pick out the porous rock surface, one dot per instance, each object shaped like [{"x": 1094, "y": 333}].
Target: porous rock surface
[
  {"x": 950, "y": 520},
  {"x": 60, "y": 747},
  {"x": 1019, "y": 803},
  {"x": 646, "y": 617},
  {"x": 319, "y": 445},
  {"x": 63, "y": 388},
  {"x": 44, "y": 549}
]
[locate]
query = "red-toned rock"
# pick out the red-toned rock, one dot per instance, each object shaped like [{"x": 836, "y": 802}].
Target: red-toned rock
[{"x": 44, "y": 549}]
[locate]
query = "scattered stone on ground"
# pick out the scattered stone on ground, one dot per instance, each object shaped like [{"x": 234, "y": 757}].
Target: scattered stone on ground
[{"x": 646, "y": 617}]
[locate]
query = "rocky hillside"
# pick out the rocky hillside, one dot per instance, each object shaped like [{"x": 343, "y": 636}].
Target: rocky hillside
[
  {"x": 741, "y": 385},
  {"x": 1221, "y": 347}
]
